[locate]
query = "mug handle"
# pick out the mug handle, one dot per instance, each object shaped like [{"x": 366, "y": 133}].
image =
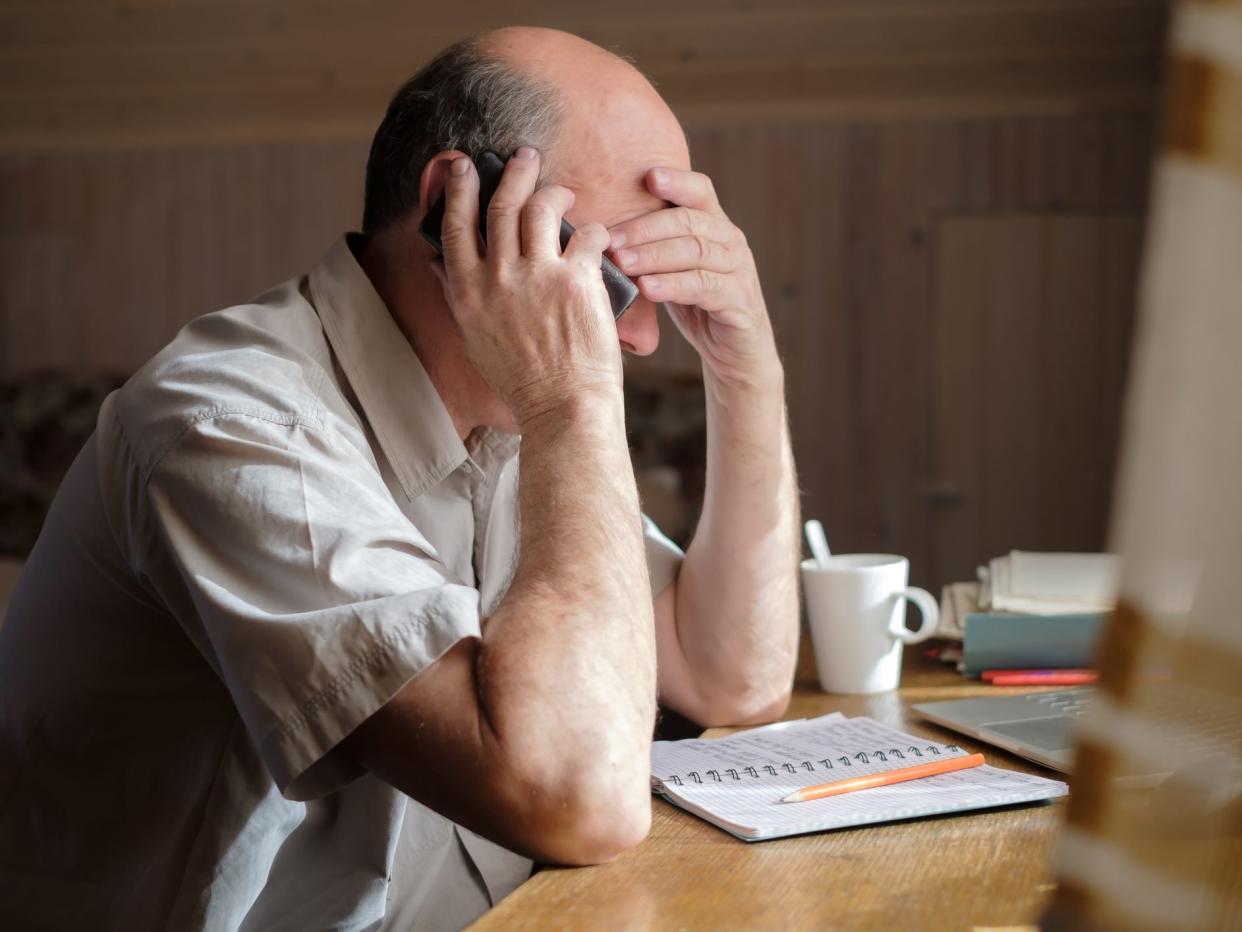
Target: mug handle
[{"x": 928, "y": 609}]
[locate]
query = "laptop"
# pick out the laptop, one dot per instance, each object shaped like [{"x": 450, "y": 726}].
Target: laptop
[{"x": 1037, "y": 726}]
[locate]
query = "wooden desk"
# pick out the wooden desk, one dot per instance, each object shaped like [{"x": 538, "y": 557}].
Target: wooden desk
[{"x": 981, "y": 870}]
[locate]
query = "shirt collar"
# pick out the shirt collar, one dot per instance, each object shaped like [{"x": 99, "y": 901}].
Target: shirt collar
[{"x": 404, "y": 409}]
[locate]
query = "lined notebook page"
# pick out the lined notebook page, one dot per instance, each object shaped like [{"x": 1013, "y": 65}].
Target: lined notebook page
[{"x": 737, "y": 782}]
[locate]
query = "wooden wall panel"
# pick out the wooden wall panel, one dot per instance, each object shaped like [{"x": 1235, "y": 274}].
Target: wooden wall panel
[
  {"x": 38, "y": 284},
  {"x": 162, "y": 158},
  {"x": 91, "y": 72},
  {"x": 120, "y": 248},
  {"x": 1033, "y": 316}
]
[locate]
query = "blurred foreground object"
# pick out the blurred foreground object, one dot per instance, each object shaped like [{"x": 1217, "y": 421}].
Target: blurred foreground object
[{"x": 1170, "y": 856}]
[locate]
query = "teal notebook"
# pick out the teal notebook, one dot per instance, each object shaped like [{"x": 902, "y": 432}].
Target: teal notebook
[{"x": 1010, "y": 641}]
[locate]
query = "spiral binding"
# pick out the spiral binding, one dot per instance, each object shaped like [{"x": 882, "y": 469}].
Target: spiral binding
[{"x": 827, "y": 764}]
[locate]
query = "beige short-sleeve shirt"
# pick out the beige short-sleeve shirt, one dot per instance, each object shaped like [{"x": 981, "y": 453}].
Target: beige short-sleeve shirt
[{"x": 273, "y": 529}]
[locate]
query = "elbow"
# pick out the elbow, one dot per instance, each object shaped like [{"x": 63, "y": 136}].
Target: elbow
[
  {"x": 744, "y": 707},
  {"x": 752, "y": 710},
  {"x": 764, "y": 710},
  {"x": 587, "y": 818},
  {"x": 599, "y": 831}
]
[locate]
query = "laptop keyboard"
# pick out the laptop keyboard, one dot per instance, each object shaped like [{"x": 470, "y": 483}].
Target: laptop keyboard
[
  {"x": 1189, "y": 729},
  {"x": 1065, "y": 703}
]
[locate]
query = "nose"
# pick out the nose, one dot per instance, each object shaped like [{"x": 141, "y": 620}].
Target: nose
[{"x": 638, "y": 328}]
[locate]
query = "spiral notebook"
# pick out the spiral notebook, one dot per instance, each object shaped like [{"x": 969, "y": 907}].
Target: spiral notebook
[{"x": 737, "y": 782}]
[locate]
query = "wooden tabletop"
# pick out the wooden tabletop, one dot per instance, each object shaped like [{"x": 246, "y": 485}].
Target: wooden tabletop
[{"x": 980, "y": 870}]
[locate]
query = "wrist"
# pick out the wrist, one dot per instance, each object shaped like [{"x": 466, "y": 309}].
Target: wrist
[
  {"x": 761, "y": 384},
  {"x": 592, "y": 407}
]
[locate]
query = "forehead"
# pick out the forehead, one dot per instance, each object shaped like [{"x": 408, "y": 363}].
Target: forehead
[{"x": 605, "y": 151}]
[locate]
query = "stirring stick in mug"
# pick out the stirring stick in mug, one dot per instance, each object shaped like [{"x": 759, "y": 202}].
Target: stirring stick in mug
[{"x": 818, "y": 541}]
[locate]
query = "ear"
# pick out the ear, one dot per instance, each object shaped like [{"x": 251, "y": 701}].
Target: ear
[{"x": 431, "y": 181}]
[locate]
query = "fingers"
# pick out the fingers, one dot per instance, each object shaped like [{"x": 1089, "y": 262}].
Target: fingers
[
  {"x": 708, "y": 290},
  {"x": 684, "y": 188},
  {"x": 670, "y": 222},
  {"x": 678, "y": 254},
  {"x": 458, "y": 230},
  {"x": 504, "y": 237},
  {"x": 588, "y": 244},
  {"x": 541, "y": 221}
]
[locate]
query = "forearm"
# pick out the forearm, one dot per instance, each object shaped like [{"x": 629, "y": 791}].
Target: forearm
[
  {"x": 567, "y": 661},
  {"x": 728, "y": 632},
  {"x": 737, "y": 592},
  {"x": 549, "y": 713}
]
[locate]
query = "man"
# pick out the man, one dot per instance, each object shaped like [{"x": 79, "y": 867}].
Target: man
[{"x": 297, "y": 649}]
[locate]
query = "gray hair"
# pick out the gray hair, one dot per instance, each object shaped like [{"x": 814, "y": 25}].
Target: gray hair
[{"x": 463, "y": 99}]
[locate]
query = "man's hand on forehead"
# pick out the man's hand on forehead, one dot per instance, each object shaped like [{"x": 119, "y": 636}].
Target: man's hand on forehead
[{"x": 692, "y": 257}]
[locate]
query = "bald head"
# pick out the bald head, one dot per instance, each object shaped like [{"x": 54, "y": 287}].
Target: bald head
[
  {"x": 583, "y": 73},
  {"x": 597, "y": 120},
  {"x": 613, "y": 126}
]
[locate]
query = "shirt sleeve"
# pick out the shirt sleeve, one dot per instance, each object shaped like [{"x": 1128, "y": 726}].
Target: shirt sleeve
[
  {"x": 663, "y": 557},
  {"x": 303, "y": 584}
]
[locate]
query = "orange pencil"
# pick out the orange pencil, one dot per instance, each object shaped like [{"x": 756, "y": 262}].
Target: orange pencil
[{"x": 849, "y": 785}]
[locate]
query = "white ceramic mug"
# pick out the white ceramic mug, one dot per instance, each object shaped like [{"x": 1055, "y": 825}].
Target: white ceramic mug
[{"x": 857, "y": 607}]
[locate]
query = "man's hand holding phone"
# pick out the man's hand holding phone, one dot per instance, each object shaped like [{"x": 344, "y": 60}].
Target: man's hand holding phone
[
  {"x": 536, "y": 321},
  {"x": 691, "y": 257}
]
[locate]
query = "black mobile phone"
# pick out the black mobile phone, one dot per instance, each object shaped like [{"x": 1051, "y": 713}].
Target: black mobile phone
[{"x": 621, "y": 290}]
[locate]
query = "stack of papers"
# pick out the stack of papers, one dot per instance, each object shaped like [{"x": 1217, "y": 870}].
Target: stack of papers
[
  {"x": 1051, "y": 583},
  {"x": 957, "y": 600},
  {"x": 1029, "y": 583},
  {"x": 1030, "y": 611}
]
